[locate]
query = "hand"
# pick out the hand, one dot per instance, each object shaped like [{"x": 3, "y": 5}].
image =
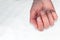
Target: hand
[{"x": 42, "y": 14}]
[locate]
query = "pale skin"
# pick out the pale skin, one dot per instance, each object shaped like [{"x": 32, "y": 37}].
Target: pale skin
[{"x": 42, "y": 14}]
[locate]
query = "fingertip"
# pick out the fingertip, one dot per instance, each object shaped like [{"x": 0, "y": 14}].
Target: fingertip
[
  {"x": 50, "y": 18},
  {"x": 40, "y": 24},
  {"x": 54, "y": 15}
]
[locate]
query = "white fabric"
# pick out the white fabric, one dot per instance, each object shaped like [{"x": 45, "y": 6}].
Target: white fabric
[{"x": 14, "y": 22}]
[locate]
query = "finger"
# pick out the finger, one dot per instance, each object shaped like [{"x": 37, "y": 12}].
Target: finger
[
  {"x": 44, "y": 19},
  {"x": 40, "y": 24},
  {"x": 54, "y": 15},
  {"x": 51, "y": 21},
  {"x": 32, "y": 14},
  {"x": 32, "y": 18}
]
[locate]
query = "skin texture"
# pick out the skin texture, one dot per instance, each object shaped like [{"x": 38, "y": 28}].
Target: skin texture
[{"x": 42, "y": 14}]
